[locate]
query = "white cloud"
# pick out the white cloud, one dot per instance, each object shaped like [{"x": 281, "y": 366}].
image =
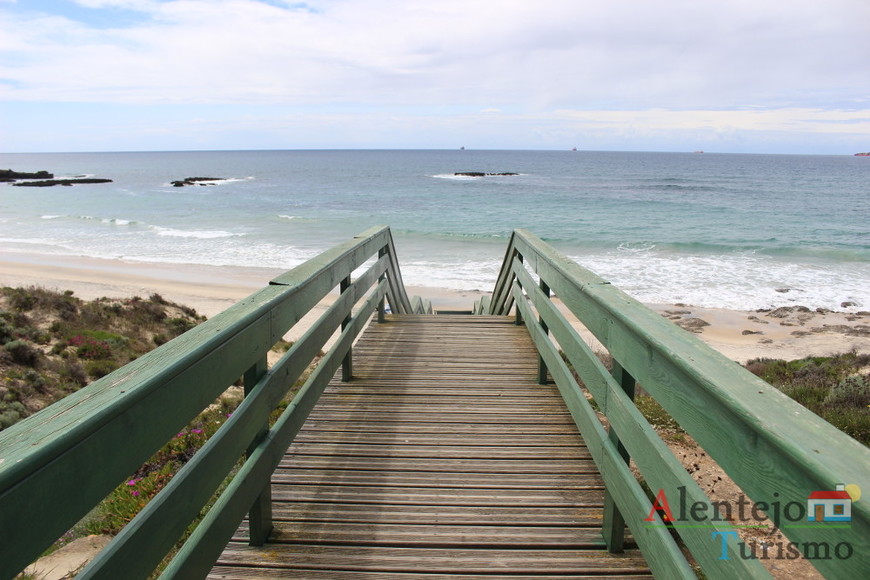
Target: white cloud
[
  {"x": 539, "y": 55},
  {"x": 719, "y": 65}
]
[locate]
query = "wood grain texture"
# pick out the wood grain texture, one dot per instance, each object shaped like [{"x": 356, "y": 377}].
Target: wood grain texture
[{"x": 442, "y": 458}]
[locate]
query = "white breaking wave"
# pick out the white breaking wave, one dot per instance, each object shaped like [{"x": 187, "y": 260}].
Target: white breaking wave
[
  {"x": 739, "y": 281},
  {"x": 242, "y": 255},
  {"x": 197, "y": 234},
  {"x": 469, "y": 275},
  {"x": 455, "y": 177}
]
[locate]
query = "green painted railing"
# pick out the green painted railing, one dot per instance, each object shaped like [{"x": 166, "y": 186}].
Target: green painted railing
[
  {"x": 777, "y": 451},
  {"x": 58, "y": 464}
]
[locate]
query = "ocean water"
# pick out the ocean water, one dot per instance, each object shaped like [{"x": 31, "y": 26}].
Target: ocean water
[{"x": 715, "y": 230}]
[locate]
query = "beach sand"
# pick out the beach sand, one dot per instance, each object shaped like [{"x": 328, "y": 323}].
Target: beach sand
[{"x": 789, "y": 333}]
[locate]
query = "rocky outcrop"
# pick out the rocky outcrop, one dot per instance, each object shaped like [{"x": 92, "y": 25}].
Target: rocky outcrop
[
  {"x": 7, "y": 175},
  {"x": 480, "y": 173},
  {"x": 196, "y": 181},
  {"x": 67, "y": 182}
]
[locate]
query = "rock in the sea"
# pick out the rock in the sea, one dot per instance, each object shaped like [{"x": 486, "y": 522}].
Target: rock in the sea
[
  {"x": 480, "y": 173},
  {"x": 7, "y": 175},
  {"x": 196, "y": 181},
  {"x": 67, "y": 182}
]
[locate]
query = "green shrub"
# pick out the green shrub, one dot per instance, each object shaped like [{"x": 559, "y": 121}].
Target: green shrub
[
  {"x": 33, "y": 334},
  {"x": 23, "y": 352},
  {"x": 100, "y": 368},
  {"x": 827, "y": 386},
  {"x": 146, "y": 313},
  {"x": 21, "y": 299},
  {"x": 11, "y": 413},
  {"x": 180, "y": 325},
  {"x": 852, "y": 391},
  {"x": 6, "y": 331},
  {"x": 73, "y": 373},
  {"x": 90, "y": 348},
  {"x": 35, "y": 380}
]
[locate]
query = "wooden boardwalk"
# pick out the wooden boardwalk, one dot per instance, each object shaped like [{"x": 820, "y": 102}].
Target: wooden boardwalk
[{"x": 443, "y": 458}]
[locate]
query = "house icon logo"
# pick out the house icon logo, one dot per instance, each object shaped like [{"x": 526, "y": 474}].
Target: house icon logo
[{"x": 830, "y": 506}]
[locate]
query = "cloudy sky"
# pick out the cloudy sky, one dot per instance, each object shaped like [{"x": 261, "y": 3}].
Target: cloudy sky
[{"x": 767, "y": 76}]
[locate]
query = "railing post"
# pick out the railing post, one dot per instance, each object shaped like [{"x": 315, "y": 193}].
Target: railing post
[
  {"x": 347, "y": 363},
  {"x": 613, "y": 525},
  {"x": 381, "y": 309},
  {"x": 519, "y": 320},
  {"x": 260, "y": 515},
  {"x": 542, "y": 366}
]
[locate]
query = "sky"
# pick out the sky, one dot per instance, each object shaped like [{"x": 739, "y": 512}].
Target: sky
[{"x": 754, "y": 76}]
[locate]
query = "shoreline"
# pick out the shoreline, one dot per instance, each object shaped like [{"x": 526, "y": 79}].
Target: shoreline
[{"x": 787, "y": 333}]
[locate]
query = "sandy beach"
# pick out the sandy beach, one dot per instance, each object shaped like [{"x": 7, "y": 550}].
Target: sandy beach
[{"x": 786, "y": 333}]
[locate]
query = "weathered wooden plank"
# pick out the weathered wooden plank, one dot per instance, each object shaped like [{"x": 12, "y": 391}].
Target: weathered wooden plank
[
  {"x": 398, "y": 427},
  {"x": 295, "y": 476},
  {"x": 428, "y": 451},
  {"x": 438, "y": 464},
  {"x": 517, "y": 515},
  {"x": 449, "y": 388},
  {"x": 434, "y": 560},
  {"x": 440, "y": 439},
  {"x": 480, "y": 401},
  {"x": 553, "y": 497},
  {"x": 432, "y": 536},
  {"x": 491, "y": 412},
  {"x": 235, "y": 573}
]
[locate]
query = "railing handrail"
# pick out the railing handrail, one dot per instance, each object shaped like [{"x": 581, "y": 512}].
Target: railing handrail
[
  {"x": 59, "y": 463},
  {"x": 773, "y": 448}
]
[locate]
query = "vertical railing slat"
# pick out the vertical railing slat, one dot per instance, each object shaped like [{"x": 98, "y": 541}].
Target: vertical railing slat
[
  {"x": 613, "y": 524},
  {"x": 347, "y": 363},
  {"x": 542, "y": 364},
  {"x": 381, "y": 306},
  {"x": 260, "y": 515}
]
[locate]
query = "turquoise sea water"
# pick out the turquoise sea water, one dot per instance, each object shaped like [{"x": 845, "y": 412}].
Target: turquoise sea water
[{"x": 735, "y": 231}]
